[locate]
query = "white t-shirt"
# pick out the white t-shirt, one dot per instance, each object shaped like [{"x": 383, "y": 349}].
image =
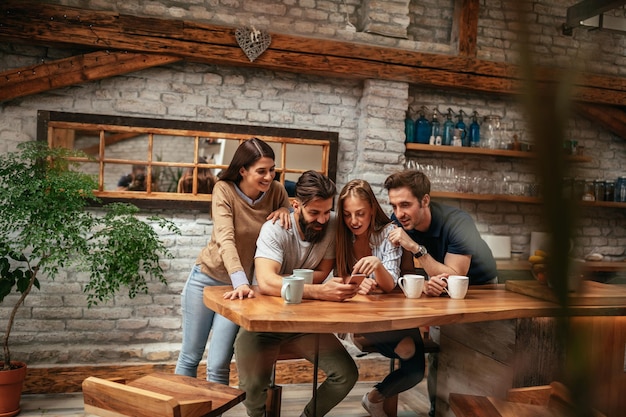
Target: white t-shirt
[{"x": 286, "y": 247}]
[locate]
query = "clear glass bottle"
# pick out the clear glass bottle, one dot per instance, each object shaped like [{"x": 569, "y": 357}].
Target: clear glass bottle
[{"x": 492, "y": 137}]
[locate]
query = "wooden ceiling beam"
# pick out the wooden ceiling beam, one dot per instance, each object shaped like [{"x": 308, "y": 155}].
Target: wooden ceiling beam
[
  {"x": 611, "y": 118},
  {"x": 48, "y": 24},
  {"x": 75, "y": 70}
]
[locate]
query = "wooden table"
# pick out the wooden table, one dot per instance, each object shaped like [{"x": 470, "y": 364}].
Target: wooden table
[
  {"x": 490, "y": 306},
  {"x": 373, "y": 313}
]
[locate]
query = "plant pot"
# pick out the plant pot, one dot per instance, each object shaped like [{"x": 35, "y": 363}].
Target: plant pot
[{"x": 11, "y": 383}]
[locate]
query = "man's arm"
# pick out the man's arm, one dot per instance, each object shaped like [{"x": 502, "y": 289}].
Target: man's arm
[
  {"x": 270, "y": 281},
  {"x": 268, "y": 277}
]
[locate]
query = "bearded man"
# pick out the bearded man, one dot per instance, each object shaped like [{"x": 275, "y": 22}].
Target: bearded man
[{"x": 311, "y": 245}]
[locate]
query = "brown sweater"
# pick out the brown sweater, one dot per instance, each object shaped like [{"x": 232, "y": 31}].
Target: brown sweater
[{"x": 236, "y": 226}]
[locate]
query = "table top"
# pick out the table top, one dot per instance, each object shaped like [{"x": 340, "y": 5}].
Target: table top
[{"x": 381, "y": 312}]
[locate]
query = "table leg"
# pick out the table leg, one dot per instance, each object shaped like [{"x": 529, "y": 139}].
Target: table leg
[{"x": 315, "y": 367}]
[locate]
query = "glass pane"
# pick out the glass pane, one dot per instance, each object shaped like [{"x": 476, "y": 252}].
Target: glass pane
[
  {"x": 127, "y": 177},
  {"x": 303, "y": 157},
  {"x": 126, "y": 145}
]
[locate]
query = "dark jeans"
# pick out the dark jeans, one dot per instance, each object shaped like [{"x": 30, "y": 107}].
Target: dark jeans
[{"x": 411, "y": 370}]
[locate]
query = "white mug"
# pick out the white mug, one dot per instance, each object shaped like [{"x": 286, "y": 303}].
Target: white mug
[
  {"x": 411, "y": 285},
  {"x": 307, "y": 274},
  {"x": 457, "y": 286},
  {"x": 292, "y": 289}
]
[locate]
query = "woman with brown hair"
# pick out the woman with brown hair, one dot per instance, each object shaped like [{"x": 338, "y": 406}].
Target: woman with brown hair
[
  {"x": 244, "y": 197},
  {"x": 363, "y": 247}
]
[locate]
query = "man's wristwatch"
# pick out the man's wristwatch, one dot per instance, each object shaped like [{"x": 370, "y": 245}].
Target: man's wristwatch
[{"x": 421, "y": 251}]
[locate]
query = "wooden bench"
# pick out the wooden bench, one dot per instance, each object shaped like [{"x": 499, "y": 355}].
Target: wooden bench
[
  {"x": 541, "y": 401},
  {"x": 158, "y": 395}
]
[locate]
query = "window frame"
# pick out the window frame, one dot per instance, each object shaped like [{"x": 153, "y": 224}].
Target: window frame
[{"x": 47, "y": 121}]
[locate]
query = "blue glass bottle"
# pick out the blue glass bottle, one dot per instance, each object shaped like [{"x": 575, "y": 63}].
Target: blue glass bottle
[
  {"x": 435, "y": 126},
  {"x": 409, "y": 128},
  {"x": 422, "y": 127},
  {"x": 460, "y": 124},
  {"x": 448, "y": 127},
  {"x": 474, "y": 131}
]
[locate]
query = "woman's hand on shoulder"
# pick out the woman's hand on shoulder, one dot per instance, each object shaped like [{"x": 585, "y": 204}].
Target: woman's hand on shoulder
[
  {"x": 281, "y": 214},
  {"x": 239, "y": 293}
]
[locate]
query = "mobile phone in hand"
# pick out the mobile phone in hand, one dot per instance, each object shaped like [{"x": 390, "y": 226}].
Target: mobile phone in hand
[{"x": 355, "y": 278}]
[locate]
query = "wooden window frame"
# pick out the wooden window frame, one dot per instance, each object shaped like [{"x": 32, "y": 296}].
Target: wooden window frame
[{"x": 48, "y": 121}]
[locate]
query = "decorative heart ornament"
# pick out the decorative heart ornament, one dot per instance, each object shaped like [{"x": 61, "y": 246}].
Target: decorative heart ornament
[{"x": 252, "y": 41}]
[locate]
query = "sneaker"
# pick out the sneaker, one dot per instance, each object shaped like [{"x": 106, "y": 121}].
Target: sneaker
[{"x": 374, "y": 409}]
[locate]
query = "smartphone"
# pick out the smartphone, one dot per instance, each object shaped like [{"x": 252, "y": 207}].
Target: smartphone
[{"x": 355, "y": 278}]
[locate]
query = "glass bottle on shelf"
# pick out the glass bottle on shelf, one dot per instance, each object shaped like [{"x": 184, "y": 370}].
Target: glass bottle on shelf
[
  {"x": 492, "y": 137},
  {"x": 460, "y": 124},
  {"x": 474, "y": 131},
  {"x": 448, "y": 127},
  {"x": 435, "y": 129},
  {"x": 409, "y": 127},
  {"x": 422, "y": 127}
]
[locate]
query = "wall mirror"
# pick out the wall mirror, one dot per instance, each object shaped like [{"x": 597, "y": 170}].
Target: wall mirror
[{"x": 156, "y": 163}]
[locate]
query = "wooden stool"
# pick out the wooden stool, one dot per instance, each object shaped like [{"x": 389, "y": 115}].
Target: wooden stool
[{"x": 159, "y": 395}]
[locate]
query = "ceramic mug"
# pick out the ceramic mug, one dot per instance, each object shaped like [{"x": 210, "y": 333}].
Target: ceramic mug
[
  {"x": 411, "y": 285},
  {"x": 307, "y": 274},
  {"x": 292, "y": 289},
  {"x": 457, "y": 286}
]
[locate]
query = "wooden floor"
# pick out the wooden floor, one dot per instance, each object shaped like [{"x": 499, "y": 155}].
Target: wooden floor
[{"x": 412, "y": 403}]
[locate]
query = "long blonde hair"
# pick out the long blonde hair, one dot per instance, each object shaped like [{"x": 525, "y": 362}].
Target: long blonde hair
[{"x": 345, "y": 257}]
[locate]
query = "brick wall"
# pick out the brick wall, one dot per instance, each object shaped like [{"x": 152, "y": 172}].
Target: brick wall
[{"x": 56, "y": 327}]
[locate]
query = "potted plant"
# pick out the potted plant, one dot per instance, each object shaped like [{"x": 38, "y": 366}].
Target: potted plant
[{"x": 46, "y": 225}]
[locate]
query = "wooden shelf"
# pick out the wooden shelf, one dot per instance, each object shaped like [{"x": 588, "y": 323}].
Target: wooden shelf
[
  {"x": 515, "y": 199},
  {"x": 485, "y": 197},
  {"x": 524, "y": 265},
  {"x": 482, "y": 151}
]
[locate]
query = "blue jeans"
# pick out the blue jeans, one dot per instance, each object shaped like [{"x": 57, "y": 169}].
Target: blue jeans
[{"x": 198, "y": 321}]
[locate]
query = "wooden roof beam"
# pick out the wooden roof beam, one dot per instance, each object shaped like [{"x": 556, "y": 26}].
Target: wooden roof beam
[{"x": 52, "y": 24}]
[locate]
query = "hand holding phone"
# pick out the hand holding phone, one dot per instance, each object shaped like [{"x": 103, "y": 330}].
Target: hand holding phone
[{"x": 355, "y": 278}]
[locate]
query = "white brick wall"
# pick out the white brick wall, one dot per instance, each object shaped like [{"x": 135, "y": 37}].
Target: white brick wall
[{"x": 56, "y": 327}]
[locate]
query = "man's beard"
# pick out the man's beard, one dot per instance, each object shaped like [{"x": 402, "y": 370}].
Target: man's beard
[{"x": 310, "y": 234}]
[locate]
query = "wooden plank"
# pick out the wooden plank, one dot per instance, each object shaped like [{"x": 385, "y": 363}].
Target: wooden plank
[
  {"x": 52, "y": 24},
  {"x": 611, "y": 118},
  {"x": 472, "y": 406},
  {"x": 129, "y": 401},
  {"x": 467, "y": 26},
  {"x": 57, "y": 379},
  {"x": 591, "y": 293},
  {"x": 463, "y": 370},
  {"x": 75, "y": 70}
]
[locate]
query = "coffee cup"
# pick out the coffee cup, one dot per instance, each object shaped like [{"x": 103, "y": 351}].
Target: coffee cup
[
  {"x": 307, "y": 274},
  {"x": 292, "y": 289},
  {"x": 411, "y": 285},
  {"x": 457, "y": 286}
]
